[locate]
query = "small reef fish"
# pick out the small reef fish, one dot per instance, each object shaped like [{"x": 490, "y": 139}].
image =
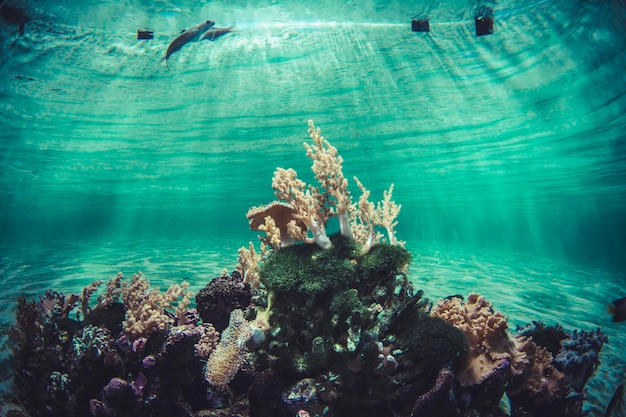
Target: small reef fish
[
  {"x": 450, "y": 297},
  {"x": 215, "y": 33},
  {"x": 615, "y": 400},
  {"x": 185, "y": 37},
  {"x": 618, "y": 309}
]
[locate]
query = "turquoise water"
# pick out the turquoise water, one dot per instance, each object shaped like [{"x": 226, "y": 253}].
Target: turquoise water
[{"x": 507, "y": 151}]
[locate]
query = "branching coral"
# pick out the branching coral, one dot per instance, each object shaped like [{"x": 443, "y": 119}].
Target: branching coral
[
  {"x": 87, "y": 293},
  {"x": 310, "y": 205},
  {"x": 208, "y": 341},
  {"x": 327, "y": 166},
  {"x": 368, "y": 216},
  {"x": 387, "y": 211},
  {"x": 302, "y": 212},
  {"x": 249, "y": 260},
  {"x": 579, "y": 356},
  {"x": 146, "y": 308},
  {"x": 230, "y": 353},
  {"x": 365, "y": 219},
  {"x": 489, "y": 341},
  {"x": 55, "y": 304},
  {"x": 113, "y": 291}
]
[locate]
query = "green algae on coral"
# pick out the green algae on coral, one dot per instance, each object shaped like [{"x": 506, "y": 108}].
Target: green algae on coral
[{"x": 307, "y": 269}]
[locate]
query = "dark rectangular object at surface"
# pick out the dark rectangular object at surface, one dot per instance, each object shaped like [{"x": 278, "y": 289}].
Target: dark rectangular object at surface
[
  {"x": 420, "y": 25},
  {"x": 145, "y": 34},
  {"x": 484, "y": 25}
]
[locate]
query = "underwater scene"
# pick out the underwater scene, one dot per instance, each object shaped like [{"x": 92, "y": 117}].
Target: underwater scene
[{"x": 302, "y": 208}]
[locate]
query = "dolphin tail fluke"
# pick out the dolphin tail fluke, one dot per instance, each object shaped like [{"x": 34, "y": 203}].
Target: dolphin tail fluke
[{"x": 166, "y": 63}]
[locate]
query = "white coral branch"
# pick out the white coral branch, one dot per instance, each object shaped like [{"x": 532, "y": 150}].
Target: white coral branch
[{"x": 387, "y": 211}]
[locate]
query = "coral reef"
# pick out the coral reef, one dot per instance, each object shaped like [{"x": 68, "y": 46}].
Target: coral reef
[
  {"x": 310, "y": 325},
  {"x": 327, "y": 314},
  {"x": 221, "y": 296},
  {"x": 489, "y": 339},
  {"x": 105, "y": 364},
  {"x": 562, "y": 363},
  {"x": 146, "y": 308},
  {"x": 579, "y": 356},
  {"x": 538, "y": 380}
]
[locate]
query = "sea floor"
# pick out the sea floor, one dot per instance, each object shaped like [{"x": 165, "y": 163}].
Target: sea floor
[{"x": 524, "y": 288}]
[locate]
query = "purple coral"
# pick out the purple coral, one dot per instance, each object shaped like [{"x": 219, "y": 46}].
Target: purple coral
[
  {"x": 139, "y": 385},
  {"x": 118, "y": 393},
  {"x": 148, "y": 362},
  {"x": 485, "y": 397},
  {"x": 439, "y": 400},
  {"x": 578, "y": 357}
]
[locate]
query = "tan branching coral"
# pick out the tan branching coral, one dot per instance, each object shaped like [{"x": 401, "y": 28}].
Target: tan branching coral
[
  {"x": 310, "y": 204},
  {"x": 230, "y": 353},
  {"x": 87, "y": 293},
  {"x": 387, "y": 211},
  {"x": 112, "y": 294},
  {"x": 113, "y": 291},
  {"x": 248, "y": 265},
  {"x": 327, "y": 167},
  {"x": 66, "y": 305},
  {"x": 54, "y": 303},
  {"x": 146, "y": 308},
  {"x": 489, "y": 340},
  {"x": 302, "y": 211},
  {"x": 208, "y": 341},
  {"x": 365, "y": 219},
  {"x": 272, "y": 233}
]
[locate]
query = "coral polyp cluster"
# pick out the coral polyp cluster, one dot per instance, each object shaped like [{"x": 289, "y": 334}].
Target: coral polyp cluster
[{"x": 310, "y": 324}]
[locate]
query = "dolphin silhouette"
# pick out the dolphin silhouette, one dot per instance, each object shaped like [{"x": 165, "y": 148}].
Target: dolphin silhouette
[
  {"x": 185, "y": 37},
  {"x": 215, "y": 33}
]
